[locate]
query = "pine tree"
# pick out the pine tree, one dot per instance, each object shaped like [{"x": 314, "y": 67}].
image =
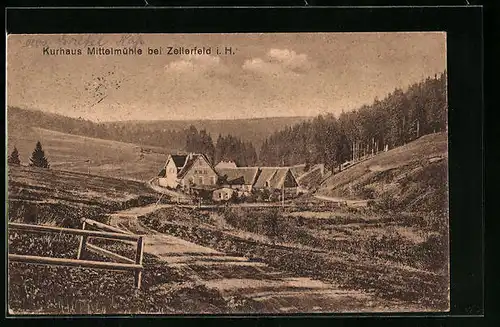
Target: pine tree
[
  {"x": 13, "y": 159},
  {"x": 38, "y": 157}
]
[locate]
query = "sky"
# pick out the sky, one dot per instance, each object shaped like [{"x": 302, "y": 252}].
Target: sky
[{"x": 264, "y": 75}]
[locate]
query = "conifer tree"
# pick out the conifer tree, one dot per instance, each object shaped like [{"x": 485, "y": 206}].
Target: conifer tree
[
  {"x": 13, "y": 159},
  {"x": 38, "y": 157}
]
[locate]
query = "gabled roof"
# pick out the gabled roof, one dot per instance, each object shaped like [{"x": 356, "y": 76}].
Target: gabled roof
[
  {"x": 266, "y": 174},
  {"x": 298, "y": 170},
  {"x": 279, "y": 177},
  {"x": 226, "y": 164},
  {"x": 191, "y": 159},
  {"x": 179, "y": 159},
  {"x": 239, "y": 175},
  {"x": 274, "y": 176}
]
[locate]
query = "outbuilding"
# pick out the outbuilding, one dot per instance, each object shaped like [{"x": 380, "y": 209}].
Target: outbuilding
[{"x": 222, "y": 194}]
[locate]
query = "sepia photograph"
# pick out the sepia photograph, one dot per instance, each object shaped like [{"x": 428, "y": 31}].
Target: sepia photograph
[{"x": 239, "y": 173}]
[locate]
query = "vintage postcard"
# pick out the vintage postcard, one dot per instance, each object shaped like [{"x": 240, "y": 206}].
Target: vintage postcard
[{"x": 227, "y": 173}]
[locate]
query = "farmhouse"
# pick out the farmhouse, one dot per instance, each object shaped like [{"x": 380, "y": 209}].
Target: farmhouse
[
  {"x": 248, "y": 179},
  {"x": 276, "y": 178},
  {"x": 193, "y": 173},
  {"x": 188, "y": 171},
  {"x": 240, "y": 178}
]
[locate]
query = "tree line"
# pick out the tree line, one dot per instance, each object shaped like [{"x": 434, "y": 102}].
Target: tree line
[
  {"x": 226, "y": 148},
  {"x": 37, "y": 158},
  {"x": 393, "y": 121}
]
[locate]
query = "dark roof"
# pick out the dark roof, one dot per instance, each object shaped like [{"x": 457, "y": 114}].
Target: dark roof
[
  {"x": 239, "y": 175},
  {"x": 179, "y": 159}
]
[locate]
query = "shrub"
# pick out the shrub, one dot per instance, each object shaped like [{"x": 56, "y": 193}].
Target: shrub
[
  {"x": 433, "y": 253},
  {"x": 387, "y": 202},
  {"x": 31, "y": 214},
  {"x": 367, "y": 193}
]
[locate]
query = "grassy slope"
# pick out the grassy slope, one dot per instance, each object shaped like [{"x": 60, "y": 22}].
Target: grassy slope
[
  {"x": 70, "y": 152},
  {"x": 405, "y": 173},
  {"x": 56, "y": 196}
]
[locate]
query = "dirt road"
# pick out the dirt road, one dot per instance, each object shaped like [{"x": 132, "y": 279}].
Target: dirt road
[
  {"x": 233, "y": 276},
  {"x": 352, "y": 203}
]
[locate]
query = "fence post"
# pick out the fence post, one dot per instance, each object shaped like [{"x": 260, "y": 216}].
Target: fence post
[
  {"x": 138, "y": 260},
  {"x": 83, "y": 243}
]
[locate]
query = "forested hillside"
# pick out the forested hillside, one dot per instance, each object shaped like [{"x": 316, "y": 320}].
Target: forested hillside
[
  {"x": 166, "y": 134},
  {"x": 393, "y": 121}
]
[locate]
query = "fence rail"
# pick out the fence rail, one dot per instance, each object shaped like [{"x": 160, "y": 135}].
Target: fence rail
[
  {"x": 71, "y": 231},
  {"x": 73, "y": 262},
  {"x": 108, "y": 254},
  {"x": 98, "y": 225},
  {"x": 121, "y": 263}
]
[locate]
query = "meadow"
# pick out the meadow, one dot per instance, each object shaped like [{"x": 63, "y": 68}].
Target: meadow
[
  {"x": 89, "y": 155},
  {"x": 395, "y": 258}
]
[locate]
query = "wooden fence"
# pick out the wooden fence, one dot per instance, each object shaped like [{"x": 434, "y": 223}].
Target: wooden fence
[{"x": 120, "y": 263}]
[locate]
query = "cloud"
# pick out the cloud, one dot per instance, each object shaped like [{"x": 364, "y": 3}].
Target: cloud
[
  {"x": 194, "y": 64},
  {"x": 290, "y": 59},
  {"x": 279, "y": 62},
  {"x": 180, "y": 66}
]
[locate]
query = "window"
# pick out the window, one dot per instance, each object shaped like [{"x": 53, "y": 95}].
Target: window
[
  {"x": 201, "y": 180},
  {"x": 213, "y": 180}
]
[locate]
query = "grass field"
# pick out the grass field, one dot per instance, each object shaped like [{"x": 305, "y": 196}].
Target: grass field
[
  {"x": 35, "y": 289},
  {"x": 81, "y": 154},
  {"x": 394, "y": 257},
  {"x": 49, "y": 196}
]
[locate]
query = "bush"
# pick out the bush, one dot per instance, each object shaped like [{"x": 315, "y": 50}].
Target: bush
[
  {"x": 387, "y": 202},
  {"x": 367, "y": 193},
  {"x": 31, "y": 214},
  {"x": 433, "y": 253}
]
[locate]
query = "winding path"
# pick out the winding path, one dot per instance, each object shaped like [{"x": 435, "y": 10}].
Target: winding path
[{"x": 278, "y": 291}]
